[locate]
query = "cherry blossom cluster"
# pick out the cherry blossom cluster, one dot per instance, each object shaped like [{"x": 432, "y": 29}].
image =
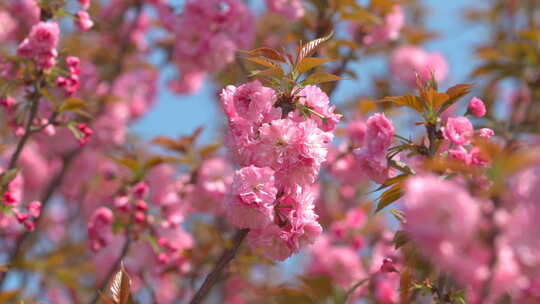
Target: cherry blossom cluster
[
  {"x": 291, "y": 9},
  {"x": 83, "y": 20},
  {"x": 207, "y": 35},
  {"x": 388, "y": 30},
  {"x": 459, "y": 132},
  {"x": 447, "y": 223},
  {"x": 12, "y": 206},
  {"x": 41, "y": 43},
  {"x": 281, "y": 154},
  {"x": 408, "y": 62},
  {"x": 372, "y": 155},
  {"x": 70, "y": 83}
]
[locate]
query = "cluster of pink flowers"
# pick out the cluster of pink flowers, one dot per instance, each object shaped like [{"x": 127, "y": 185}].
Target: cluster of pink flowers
[
  {"x": 292, "y": 9},
  {"x": 408, "y": 62},
  {"x": 459, "y": 132},
  {"x": 207, "y": 35},
  {"x": 100, "y": 228},
  {"x": 377, "y": 140},
  {"x": 82, "y": 18},
  {"x": 446, "y": 222},
  {"x": 11, "y": 199},
  {"x": 70, "y": 83},
  {"x": 389, "y": 30},
  {"x": 281, "y": 155},
  {"x": 41, "y": 44}
]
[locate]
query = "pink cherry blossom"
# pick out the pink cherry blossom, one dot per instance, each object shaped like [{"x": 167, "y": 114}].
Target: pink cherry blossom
[
  {"x": 252, "y": 198},
  {"x": 7, "y": 25},
  {"x": 458, "y": 130},
  {"x": 84, "y": 22},
  {"x": 372, "y": 156},
  {"x": 408, "y": 61},
  {"x": 291, "y": 9},
  {"x": 389, "y": 30},
  {"x": 41, "y": 44},
  {"x": 486, "y": 133},
  {"x": 477, "y": 107},
  {"x": 315, "y": 99},
  {"x": 99, "y": 228},
  {"x": 341, "y": 263},
  {"x": 34, "y": 208}
]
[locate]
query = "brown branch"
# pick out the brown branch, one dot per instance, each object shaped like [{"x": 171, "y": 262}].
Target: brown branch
[{"x": 213, "y": 277}]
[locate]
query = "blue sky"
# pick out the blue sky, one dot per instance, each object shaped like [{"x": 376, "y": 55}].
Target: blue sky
[{"x": 175, "y": 115}]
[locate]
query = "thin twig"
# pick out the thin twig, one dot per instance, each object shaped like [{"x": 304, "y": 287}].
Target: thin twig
[{"x": 213, "y": 277}]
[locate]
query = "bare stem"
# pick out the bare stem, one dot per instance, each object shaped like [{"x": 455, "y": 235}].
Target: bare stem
[{"x": 213, "y": 277}]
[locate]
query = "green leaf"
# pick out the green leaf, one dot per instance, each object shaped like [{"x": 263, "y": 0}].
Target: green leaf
[
  {"x": 8, "y": 176},
  {"x": 400, "y": 239},
  {"x": 309, "y": 63},
  {"x": 320, "y": 77},
  {"x": 389, "y": 196},
  {"x": 71, "y": 104}
]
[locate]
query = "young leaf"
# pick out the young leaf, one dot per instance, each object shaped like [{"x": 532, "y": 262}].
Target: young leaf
[
  {"x": 434, "y": 98},
  {"x": 71, "y": 104},
  {"x": 408, "y": 100},
  {"x": 389, "y": 196},
  {"x": 454, "y": 93},
  {"x": 320, "y": 77},
  {"x": 400, "y": 239},
  {"x": 267, "y": 52},
  {"x": 309, "y": 48},
  {"x": 119, "y": 287},
  {"x": 309, "y": 63},
  {"x": 263, "y": 61}
]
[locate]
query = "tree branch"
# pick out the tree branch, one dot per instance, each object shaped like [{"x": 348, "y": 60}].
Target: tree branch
[{"x": 213, "y": 277}]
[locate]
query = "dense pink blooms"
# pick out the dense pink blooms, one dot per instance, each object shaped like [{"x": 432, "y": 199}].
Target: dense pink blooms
[
  {"x": 86, "y": 133},
  {"x": 341, "y": 263},
  {"x": 84, "y": 22},
  {"x": 408, "y": 61},
  {"x": 458, "y": 130},
  {"x": 99, "y": 228},
  {"x": 442, "y": 219},
  {"x": 291, "y": 9},
  {"x": 316, "y": 100},
  {"x": 356, "y": 131},
  {"x": 71, "y": 82},
  {"x": 207, "y": 35},
  {"x": 41, "y": 44},
  {"x": 214, "y": 179},
  {"x": 477, "y": 107},
  {"x": 252, "y": 198},
  {"x": 390, "y": 28},
  {"x": 377, "y": 140}
]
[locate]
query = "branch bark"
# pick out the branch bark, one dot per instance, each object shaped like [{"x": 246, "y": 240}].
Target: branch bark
[{"x": 213, "y": 277}]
